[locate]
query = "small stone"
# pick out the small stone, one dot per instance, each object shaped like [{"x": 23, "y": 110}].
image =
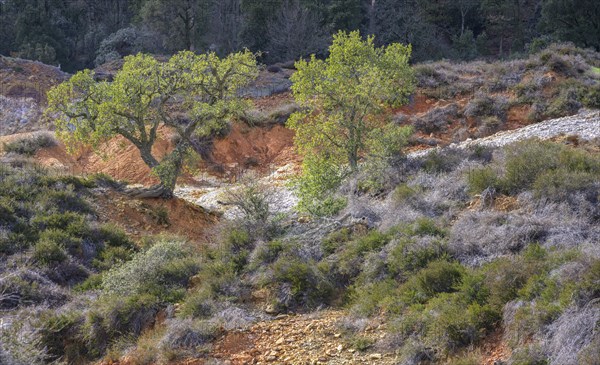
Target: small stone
[
  {"x": 337, "y": 335},
  {"x": 375, "y": 356},
  {"x": 340, "y": 348},
  {"x": 351, "y": 351},
  {"x": 280, "y": 341}
]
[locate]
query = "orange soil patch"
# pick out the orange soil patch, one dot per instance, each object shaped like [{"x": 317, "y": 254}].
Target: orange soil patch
[
  {"x": 494, "y": 350},
  {"x": 518, "y": 117},
  {"x": 244, "y": 147},
  {"x": 117, "y": 158},
  {"x": 255, "y": 147},
  {"x": 141, "y": 217}
]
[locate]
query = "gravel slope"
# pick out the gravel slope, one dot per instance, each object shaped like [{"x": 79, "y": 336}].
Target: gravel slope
[{"x": 586, "y": 125}]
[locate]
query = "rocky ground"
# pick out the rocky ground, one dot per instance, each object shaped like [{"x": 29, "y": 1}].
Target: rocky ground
[
  {"x": 585, "y": 125},
  {"x": 316, "y": 338}
]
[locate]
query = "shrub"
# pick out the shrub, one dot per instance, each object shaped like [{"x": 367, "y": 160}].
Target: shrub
[
  {"x": 550, "y": 167},
  {"x": 116, "y": 316},
  {"x": 589, "y": 286},
  {"x": 299, "y": 282},
  {"x": 113, "y": 236},
  {"x": 455, "y": 324},
  {"x": 49, "y": 253},
  {"x": 437, "y": 162},
  {"x": 468, "y": 359},
  {"x": 526, "y": 160},
  {"x": 335, "y": 240},
  {"x": 567, "y": 102},
  {"x": 20, "y": 343},
  {"x": 481, "y": 179},
  {"x": 353, "y": 253},
  {"x": 360, "y": 343},
  {"x": 164, "y": 270},
  {"x": 437, "y": 119},
  {"x": 558, "y": 185},
  {"x": 198, "y": 304},
  {"x": 72, "y": 223},
  {"x": 408, "y": 255},
  {"x": 373, "y": 296},
  {"x": 591, "y": 98},
  {"x": 63, "y": 240},
  {"x": 54, "y": 328},
  {"x": 438, "y": 277},
  {"x": 266, "y": 253},
  {"x": 427, "y": 227},
  {"x": 403, "y": 192},
  {"x": 532, "y": 355},
  {"x": 187, "y": 335},
  {"x": 487, "y": 106},
  {"x": 30, "y": 145}
]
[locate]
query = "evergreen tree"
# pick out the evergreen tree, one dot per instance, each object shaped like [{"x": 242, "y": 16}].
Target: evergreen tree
[{"x": 577, "y": 21}]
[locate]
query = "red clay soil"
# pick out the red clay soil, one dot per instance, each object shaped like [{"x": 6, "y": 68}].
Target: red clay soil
[
  {"x": 255, "y": 147},
  {"x": 244, "y": 147},
  {"x": 494, "y": 349},
  {"x": 144, "y": 217}
]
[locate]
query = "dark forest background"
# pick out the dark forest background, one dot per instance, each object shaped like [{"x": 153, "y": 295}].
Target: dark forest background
[{"x": 78, "y": 34}]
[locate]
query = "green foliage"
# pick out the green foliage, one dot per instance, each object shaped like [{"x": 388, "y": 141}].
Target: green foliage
[
  {"x": 320, "y": 177},
  {"x": 308, "y": 285},
  {"x": 206, "y": 86},
  {"x": 340, "y": 98},
  {"x": 49, "y": 253},
  {"x": 569, "y": 21},
  {"x": 592, "y": 98},
  {"x": 438, "y": 277},
  {"x": 531, "y": 355},
  {"x": 335, "y": 239},
  {"x": 163, "y": 270},
  {"x": 406, "y": 257},
  {"x": 481, "y": 179},
  {"x": 553, "y": 171},
  {"x": 403, "y": 192},
  {"x": 360, "y": 343}
]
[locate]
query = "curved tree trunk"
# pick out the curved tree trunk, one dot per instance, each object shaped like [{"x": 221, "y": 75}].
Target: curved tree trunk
[{"x": 168, "y": 170}]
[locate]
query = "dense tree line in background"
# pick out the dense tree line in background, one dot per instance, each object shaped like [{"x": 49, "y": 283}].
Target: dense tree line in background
[{"x": 83, "y": 33}]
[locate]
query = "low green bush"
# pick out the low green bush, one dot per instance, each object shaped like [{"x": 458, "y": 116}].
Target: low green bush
[
  {"x": 530, "y": 355},
  {"x": 73, "y": 245},
  {"x": 548, "y": 168},
  {"x": 403, "y": 193},
  {"x": 591, "y": 98},
  {"x": 163, "y": 270},
  {"x": 407, "y": 257},
  {"x": 439, "y": 276},
  {"x": 558, "y": 185},
  {"x": 481, "y": 179},
  {"x": 49, "y": 253},
  {"x": 307, "y": 284},
  {"x": 336, "y": 239}
]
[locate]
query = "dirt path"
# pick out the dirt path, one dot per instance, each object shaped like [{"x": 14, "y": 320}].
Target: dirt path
[{"x": 314, "y": 338}]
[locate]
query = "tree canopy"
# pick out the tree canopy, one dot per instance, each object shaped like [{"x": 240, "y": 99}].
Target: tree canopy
[
  {"x": 342, "y": 98},
  {"x": 190, "y": 94},
  {"x": 75, "y": 33}
]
